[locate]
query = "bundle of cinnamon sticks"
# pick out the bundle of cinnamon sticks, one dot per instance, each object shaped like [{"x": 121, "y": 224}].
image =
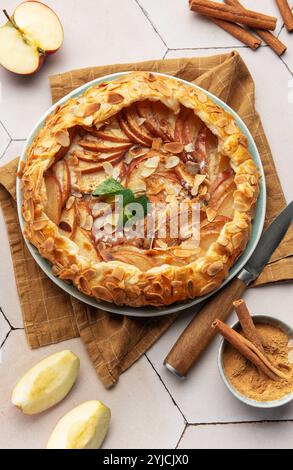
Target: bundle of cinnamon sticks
[
  {"x": 249, "y": 345},
  {"x": 232, "y": 16}
]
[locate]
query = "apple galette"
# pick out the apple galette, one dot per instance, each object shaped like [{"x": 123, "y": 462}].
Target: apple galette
[{"x": 155, "y": 148}]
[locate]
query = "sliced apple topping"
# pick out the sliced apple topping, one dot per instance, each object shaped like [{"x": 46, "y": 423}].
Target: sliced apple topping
[
  {"x": 85, "y": 241},
  {"x": 151, "y": 122},
  {"x": 62, "y": 174},
  {"x": 98, "y": 145},
  {"x": 137, "y": 127},
  {"x": 54, "y": 202}
]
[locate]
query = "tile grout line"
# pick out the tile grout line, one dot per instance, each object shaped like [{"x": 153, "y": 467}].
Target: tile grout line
[
  {"x": 224, "y": 423},
  {"x": 286, "y": 65},
  {"x": 150, "y": 21},
  {"x": 182, "y": 435},
  {"x": 4, "y": 151},
  {"x": 13, "y": 328},
  {"x": 6, "y": 338},
  {"x": 167, "y": 390},
  {"x": 6, "y": 130}
]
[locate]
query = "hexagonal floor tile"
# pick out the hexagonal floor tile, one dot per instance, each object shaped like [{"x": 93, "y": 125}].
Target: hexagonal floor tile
[
  {"x": 96, "y": 33},
  {"x": 143, "y": 414},
  {"x": 239, "y": 436},
  {"x": 181, "y": 28}
]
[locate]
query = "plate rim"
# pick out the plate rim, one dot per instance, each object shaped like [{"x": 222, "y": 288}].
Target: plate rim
[{"x": 146, "y": 311}]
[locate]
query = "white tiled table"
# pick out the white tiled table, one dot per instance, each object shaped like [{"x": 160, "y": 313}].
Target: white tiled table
[{"x": 150, "y": 407}]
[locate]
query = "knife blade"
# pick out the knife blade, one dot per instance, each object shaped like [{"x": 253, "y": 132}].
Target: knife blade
[
  {"x": 198, "y": 334},
  {"x": 267, "y": 244}
]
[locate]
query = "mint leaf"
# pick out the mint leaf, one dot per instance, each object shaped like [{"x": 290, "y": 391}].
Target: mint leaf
[
  {"x": 109, "y": 187},
  {"x": 144, "y": 201},
  {"x": 130, "y": 213},
  {"x": 128, "y": 196}
]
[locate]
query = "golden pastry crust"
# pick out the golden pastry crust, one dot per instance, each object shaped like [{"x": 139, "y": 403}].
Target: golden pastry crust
[{"x": 116, "y": 281}]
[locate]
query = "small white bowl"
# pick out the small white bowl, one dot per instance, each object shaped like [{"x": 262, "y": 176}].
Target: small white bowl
[{"x": 249, "y": 401}]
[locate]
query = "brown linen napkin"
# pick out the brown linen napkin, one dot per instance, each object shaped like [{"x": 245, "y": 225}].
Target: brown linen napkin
[{"x": 115, "y": 342}]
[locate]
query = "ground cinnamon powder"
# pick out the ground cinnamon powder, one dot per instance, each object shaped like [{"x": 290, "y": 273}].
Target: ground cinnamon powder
[{"x": 251, "y": 382}]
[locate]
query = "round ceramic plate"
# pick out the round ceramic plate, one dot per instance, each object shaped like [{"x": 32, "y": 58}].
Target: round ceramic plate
[{"x": 257, "y": 224}]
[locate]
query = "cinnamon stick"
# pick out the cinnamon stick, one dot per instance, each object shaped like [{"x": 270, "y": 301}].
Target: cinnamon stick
[
  {"x": 247, "y": 325},
  {"x": 238, "y": 32},
  {"x": 248, "y": 350},
  {"x": 272, "y": 41},
  {"x": 235, "y": 15},
  {"x": 286, "y": 13}
]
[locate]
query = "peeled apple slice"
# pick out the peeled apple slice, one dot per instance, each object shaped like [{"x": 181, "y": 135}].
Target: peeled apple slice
[
  {"x": 47, "y": 383},
  {"x": 84, "y": 427}
]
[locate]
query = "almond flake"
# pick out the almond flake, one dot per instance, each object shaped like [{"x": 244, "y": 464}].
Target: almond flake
[
  {"x": 108, "y": 228},
  {"x": 231, "y": 128},
  {"x": 140, "y": 121},
  {"x": 62, "y": 138},
  {"x": 47, "y": 143},
  {"x": 222, "y": 122},
  {"x": 40, "y": 224},
  {"x": 198, "y": 179},
  {"x": 173, "y": 147},
  {"x": 91, "y": 108},
  {"x": 189, "y": 147},
  {"x": 211, "y": 214},
  {"x": 88, "y": 120},
  {"x": 152, "y": 162},
  {"x": 138, "y": 186},
  {"x": 88, "y": 223},
  {"x": 116, "y": 173},
  {"x": 172, "y": 162},
  {"x": 202, "y": 97},
  {"x": 69, "y": 202},
  {"x": 48, "y": 244},
  {"x": 192, "y": 168},
  {"x": 146, "y": 172},
  {"x": 108, "y": 168},
  {"x": 115, "y": 98},
  {"x": 76, "y": 194},
  {"x": 128, "y": 158}
]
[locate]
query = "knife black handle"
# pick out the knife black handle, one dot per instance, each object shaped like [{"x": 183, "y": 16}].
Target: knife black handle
[{"x": 198, "y": 334}]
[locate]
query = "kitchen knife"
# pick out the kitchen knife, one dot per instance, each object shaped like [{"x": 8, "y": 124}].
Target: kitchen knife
[{"x": 198, "y": 334}]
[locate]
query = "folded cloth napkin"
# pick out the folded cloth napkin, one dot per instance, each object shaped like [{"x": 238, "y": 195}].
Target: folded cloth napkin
[{"x": 115, "y": 342}]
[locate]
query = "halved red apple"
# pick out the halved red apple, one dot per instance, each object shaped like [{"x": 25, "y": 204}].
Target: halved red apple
[
  {"x": 33, "y": 31},
  {"x": 53, "y": 206}
]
